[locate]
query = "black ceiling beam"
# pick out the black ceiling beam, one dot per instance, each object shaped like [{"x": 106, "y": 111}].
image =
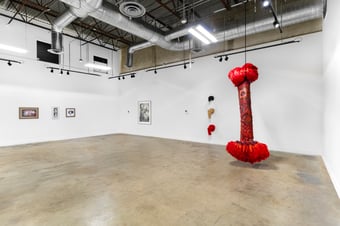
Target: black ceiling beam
[
  {"x": 226, "y": 4},
  {"x": 42, "y": 12},
  {"x": 194, "y": 12},
  {"x": 21, "y": 3},
  {"x": 52, "y": 13},
  {"x": 166, "y": 7},
  {"x": 39, "y": 26},
  {"x": 158, "y": 21}
]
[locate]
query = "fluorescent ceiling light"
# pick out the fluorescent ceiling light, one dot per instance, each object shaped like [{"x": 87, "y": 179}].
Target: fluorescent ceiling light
[
  {"x": 206, "y": 33},
  {"x": 199, "y": 36},
  {"x": 12, "y": 48},
  {"x": 97, "y": 66},
  {"x": 219, "y": 10}
]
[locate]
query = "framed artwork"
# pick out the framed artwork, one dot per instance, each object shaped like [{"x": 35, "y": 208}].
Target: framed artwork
[
  {"x": 28, "y": 113},
  {"x": 55, "y": 113},
  {"x": 70, "y": 112},
  {"x": 144, "y": 112}
]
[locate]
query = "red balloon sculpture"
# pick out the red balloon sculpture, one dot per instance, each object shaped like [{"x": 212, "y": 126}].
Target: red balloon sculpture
[{"x": 246, "y": 150}]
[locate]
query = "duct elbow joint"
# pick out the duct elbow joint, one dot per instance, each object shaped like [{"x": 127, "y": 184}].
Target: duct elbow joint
[
  {"x": 129, "y": 59},
  {"x": 57, "y": 42}
]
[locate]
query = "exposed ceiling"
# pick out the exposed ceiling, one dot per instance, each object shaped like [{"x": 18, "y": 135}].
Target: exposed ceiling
[{"x": 161, "y": 16}]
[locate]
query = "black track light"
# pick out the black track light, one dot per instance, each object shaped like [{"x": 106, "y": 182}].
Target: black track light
[
  {"x": 276, "y": 24},
  {"x": 185, "y": 66},
  {"x": 118, "y": 78},
  {"x": 265, "y": 3},
  {"x": 220, "y": 59},
  {"x": 51, "y": 70},
  {"x": 68, "y": 73},
  {"x": 9, "y": 63},
  {"x": 61, "y": 72},
  {"x": 133, "y": 75},
  {"x": 155, "y": 71},
  {"x": 226, "y": 58},
  {"x": 123, "y": 77}
]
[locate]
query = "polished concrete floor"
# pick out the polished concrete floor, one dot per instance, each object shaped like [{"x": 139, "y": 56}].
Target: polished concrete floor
[{"x": 139, "y": 181}]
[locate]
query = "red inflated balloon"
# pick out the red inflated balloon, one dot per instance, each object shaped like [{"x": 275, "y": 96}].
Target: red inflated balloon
[
  {"x": 250, "y": 72},
  {"x": 236, "y": 76}
]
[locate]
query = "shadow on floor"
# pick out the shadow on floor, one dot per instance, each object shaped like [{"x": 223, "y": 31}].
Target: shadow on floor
[{"x": 269, "y": 164}]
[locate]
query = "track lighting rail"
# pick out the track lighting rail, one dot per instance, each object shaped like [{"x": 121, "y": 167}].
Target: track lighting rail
[
  {"x": 9, "y": 61},
  {"x": 61, "y": 70},
  {"x": 132, "y": 75},
  {"x": 254, "y": 49},
  {"x": 154, "y": 69}
]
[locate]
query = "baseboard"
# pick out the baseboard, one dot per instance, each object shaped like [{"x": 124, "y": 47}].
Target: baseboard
[{"x": 332, "y": 175}]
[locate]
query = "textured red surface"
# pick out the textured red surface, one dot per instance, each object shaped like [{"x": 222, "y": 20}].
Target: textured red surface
[
  {"x": 247, "y": 72},
  {"x": 248, "y": 152},
  {"x": 246, "y": 149},
  {"x": 211, "y": 128}
]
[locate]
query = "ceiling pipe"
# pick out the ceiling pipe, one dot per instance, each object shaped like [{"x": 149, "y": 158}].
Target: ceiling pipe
[
  {"x": 109, "y": 16},
  {"x": 289, "y": 18},
  {"x": 119, "y": 21},
  {"x": 81, "y": 9}
]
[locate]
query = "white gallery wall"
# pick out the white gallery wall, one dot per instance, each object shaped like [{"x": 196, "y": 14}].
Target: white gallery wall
[
  {"x": 31, "y": 84},
  {"x": 295, "y": 101},
  {"x": 287, "y": 99},
  {"x": 331, "y": 59}
]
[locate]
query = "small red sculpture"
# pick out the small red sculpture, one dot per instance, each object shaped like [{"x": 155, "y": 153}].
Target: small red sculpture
[
  {"x": 211, "y": 128},
  {"x": 246, "y": 150}
]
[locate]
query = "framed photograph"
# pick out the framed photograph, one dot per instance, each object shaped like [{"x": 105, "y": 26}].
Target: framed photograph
[
  {"x": 55, "y": 113},
  {"x": 144, "y": 112},
  {"x": 28, "y": 113},
  {"x": 70, "y": 112}
]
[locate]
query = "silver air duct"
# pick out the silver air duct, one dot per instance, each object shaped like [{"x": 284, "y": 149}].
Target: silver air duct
[
  {"x": 83, "y": 8},
  {"x": 94, "y": 9},
  {"x": 290, "y": 18},
  {"x": 119, "y": 21}
]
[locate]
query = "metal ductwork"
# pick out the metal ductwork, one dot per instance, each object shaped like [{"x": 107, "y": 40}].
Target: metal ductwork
[
  {"x": 119, "y": 21},
  {"x": 289, "y": 18},
  {"x": 77, "y": 9},
  {"x": 132, "y": 9},
  {"x": 94, "y": 9}
]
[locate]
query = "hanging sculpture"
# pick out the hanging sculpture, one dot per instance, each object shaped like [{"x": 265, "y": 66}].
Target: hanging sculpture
[
  {"x": 246, "y": 150},
  {"x": 211, "y": 128},
  {"x": 211, "y": 111}
]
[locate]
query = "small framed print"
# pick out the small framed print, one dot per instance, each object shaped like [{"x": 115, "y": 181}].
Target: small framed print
[
  {"x": 55, "y": 113},
  {"x": 70, "y": 112},
  {"x": 144, "y": 112},
  {"x": 28, "y": 113}
]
